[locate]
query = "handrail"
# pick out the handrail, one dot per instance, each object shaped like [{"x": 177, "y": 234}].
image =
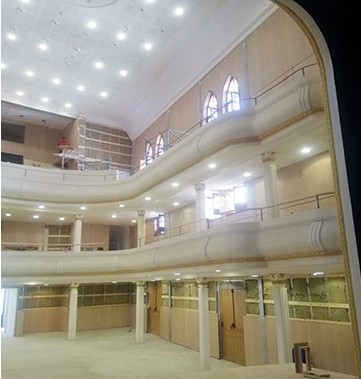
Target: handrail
[
  {"x": 256, "y": 214},
  {"x": 203, "y": 121}
]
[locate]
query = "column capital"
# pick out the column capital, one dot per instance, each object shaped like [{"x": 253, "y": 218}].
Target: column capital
[
  {"x": 202, "y": 282},
  {"x": 141, "y": 212},
  {"x": 140, "y": 284},
  {"x": 200, "y": 187},
  {"x": 268, "y": 156},
  {"x": 74, "y": 286},
  {"x": 79, "y": 216},
  {"x": 278, "y": 278}
]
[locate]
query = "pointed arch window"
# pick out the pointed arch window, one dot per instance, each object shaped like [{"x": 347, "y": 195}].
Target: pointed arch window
[
  {"x": 148, "y": 153},
  {"x": 231, "y": 98},
  {"x": 160, "y": 145},
  {"x": 210, "y": 111}
]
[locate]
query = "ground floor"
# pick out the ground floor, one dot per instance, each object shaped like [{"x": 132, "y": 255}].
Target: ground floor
[{"x": 112, "y": 353}]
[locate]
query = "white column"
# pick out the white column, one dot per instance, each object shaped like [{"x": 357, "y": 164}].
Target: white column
[
  {"x": 141, "y": 228},
  {"x": 76, "y": 232},
  {"x": 204, "y": 340},
  {"x": 270, "y": 183},
  {"x": 139, "y": 313},
  {"x": 10, "y": 310},
  {"x": 200, "y": 206},
  {"x": 73, "y": 311},
  {"x": 283, "y": 327}
]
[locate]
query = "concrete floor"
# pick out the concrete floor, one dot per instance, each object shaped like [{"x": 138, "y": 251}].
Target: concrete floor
[{"x": 113, "y": 354}]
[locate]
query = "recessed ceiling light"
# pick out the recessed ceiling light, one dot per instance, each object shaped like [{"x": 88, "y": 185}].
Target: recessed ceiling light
[
  {"x": 150, "y": 1},
  {"x": 212, "y": 165},
  {"x": 29, "y": 73},
  {"x": 80, "y": 88},
  {"x": 318, "y": 273},
  {"x": 148, "y": 46},
  {"x": 104, "y": 94},
  {"x": 41, "y": 206},
  {"x": 153, "y": 213},
  {"x": 114, "y": 216},
  {"x": 56, "y": 81},
  {"x": 134, "y": 221},
  {"x": 254, "y": 276},
  {"x": 179, "y": 11},
  {"x": 67, "y": 105},
  {"x": 20, "y": 93},
  {"x": 121, "y": 36},
  {"x": 121, "y": 205},
  {"x": 61, "y": 218},
  {"x": 98, "y": 65},
  {"x": 83, "y": 208},
  {"x": 218, "y": 270},
  {"x": 7, "y": 214},
  {"x": 92, "y": 24},
  {"x": 114, "y": 282},
  {"x": 36, "y": 216},
  {"x": 45, "y": 99},
  {"x": 43, "y": 46},
  {"x": 177, "y": 273},
  {"x": 305, "y": 150},
  {"x": 176, "y": 203},
  {"x": 175, "y": 184},
  {"x": 177, "y": 280},
  {"x": 3, "y": 66},
  {"x": 247, "y": 174},
  {"x": 147, "y": 198},
  {"x": 25, "y": 1},
  {"x": 11, "y": 36},
  {"x": 123, "y": 72}
]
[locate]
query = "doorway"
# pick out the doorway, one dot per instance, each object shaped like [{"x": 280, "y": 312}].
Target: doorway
[
  {"x": 232, "y": 310},
  {"x": 155, "y": 303}
]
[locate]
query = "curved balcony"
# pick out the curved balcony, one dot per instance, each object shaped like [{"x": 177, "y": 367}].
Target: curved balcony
[{"x": 292, "y": 103}]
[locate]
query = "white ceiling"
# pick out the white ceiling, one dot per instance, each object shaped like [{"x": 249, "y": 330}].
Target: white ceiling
[{"x": 184, "y": 49}]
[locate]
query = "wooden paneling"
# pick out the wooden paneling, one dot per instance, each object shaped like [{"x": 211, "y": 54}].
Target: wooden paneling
[
  {"x": 155, "y": 304},
  {"x": 95, "y": 233},
  {"x": 45, "y": 320},
  {"x": 26, "y": 232},
  {"x": 164, "y": 323},
  {"x": 103, "y": 317},
  {"x": 232, "y": 303}
]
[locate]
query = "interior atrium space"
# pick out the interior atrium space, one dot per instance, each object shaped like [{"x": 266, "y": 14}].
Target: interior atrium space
[{"x": 173, "y": 192}]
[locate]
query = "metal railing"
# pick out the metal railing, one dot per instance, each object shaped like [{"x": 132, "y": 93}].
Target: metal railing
[{"x": 43, "y": 247}]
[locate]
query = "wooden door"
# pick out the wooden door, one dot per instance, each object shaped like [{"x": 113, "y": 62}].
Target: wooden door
[
  {"x": 155, "y": 303},
  {"x": 232, "y": 308}
]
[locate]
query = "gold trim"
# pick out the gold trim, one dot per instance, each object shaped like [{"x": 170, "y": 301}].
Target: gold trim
[{"x": 339, "y": 207}]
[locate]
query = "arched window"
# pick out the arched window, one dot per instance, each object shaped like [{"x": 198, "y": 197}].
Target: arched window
[
  {"x": 210, "y": 108},
  {"x": 231, "y": 99},
  {"x": 148, "y": 153},
  {"x": 160, "y": 145}
]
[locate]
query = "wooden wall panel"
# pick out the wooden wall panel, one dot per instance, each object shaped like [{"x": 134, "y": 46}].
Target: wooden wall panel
[
  {"x": 103, "y": 317},
  {"x": 95, "y": 233},
  {"x": 45, "y": 320},
  {"x": 185, "y": 331},
  {"x": 164, "y": 323},
  {"x": 27, "y": 232}
]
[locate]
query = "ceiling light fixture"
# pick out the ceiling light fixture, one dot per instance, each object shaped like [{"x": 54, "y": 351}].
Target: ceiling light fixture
[
  {"x": 83, "y": 208},
  {"x": 11, "y": 36},
  {"x": 29, "y": 73},
  {"x": 36, "y": 216},
  {"x": 3, "y": 66},
  {"x": 61, "y": 218},
  {"x": 179, "y": 11},
  {"x": 92, "y": 24},
  {"x": 254, "y": 276},
  {"x": 150, "y": 1},
  {"x": 20, "y": 93},
  {"x": 123, "y": 72},
  {"x": 80, "y": 88},
  {"x": 114, "y": 216},
  {"x": 68, "y": 105},
  {"x": 212, "y": 165},
  {"x": 25, "y": 1},
  {"x": 56, "y": 81},
  {"x": 134, "y": 221},
  {"x": 305, "y": 150},
  {"x": 8, "y": 214},
  {"x": 177, "y": 273},
  {"x": 247, "y": 174},
  {"x": 218, "y": 270},
  {"x": 148, "y": 46},
  {"x": 45, "y": 99},
  {"x": 99, "y": 65},
  {"x": 176, "y": 203},
  {"x": 177, "y": 280},
  {"x": 317, "y": 273},
  {"x": 121, "y": 205},
  {"x": 175, "y": 184},
  {"x": 104, "y": 94},
  {"x": 41, "y": 206},
  {"x": 147, "y": 198},
  {"x": 121, "y": 36},
  {"x": 43, "y": 46}
]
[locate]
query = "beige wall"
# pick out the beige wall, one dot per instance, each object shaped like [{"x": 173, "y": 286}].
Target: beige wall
[
  {"x": 95, "y": 233},
  {"x": 332, "y": 346},
  {"x": 25, "y": 232},
  {"x": 39, "y": 145},
  {"x": 44, "y": 320},
  {"x": 182, "y": 216}
]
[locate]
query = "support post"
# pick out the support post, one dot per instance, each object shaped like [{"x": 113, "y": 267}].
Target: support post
[
  {"x": 141, "y": 228},
  {"x": 76, "y": 232},
  {"x": 139, "y": 313},
  {"x": 204, "y": 339},
  {"x": 73, "y": 311},
  {"x": 270, "y": 183}
]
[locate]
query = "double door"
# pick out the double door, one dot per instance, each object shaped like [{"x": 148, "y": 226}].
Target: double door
[{"x": 232, "y": 310}]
